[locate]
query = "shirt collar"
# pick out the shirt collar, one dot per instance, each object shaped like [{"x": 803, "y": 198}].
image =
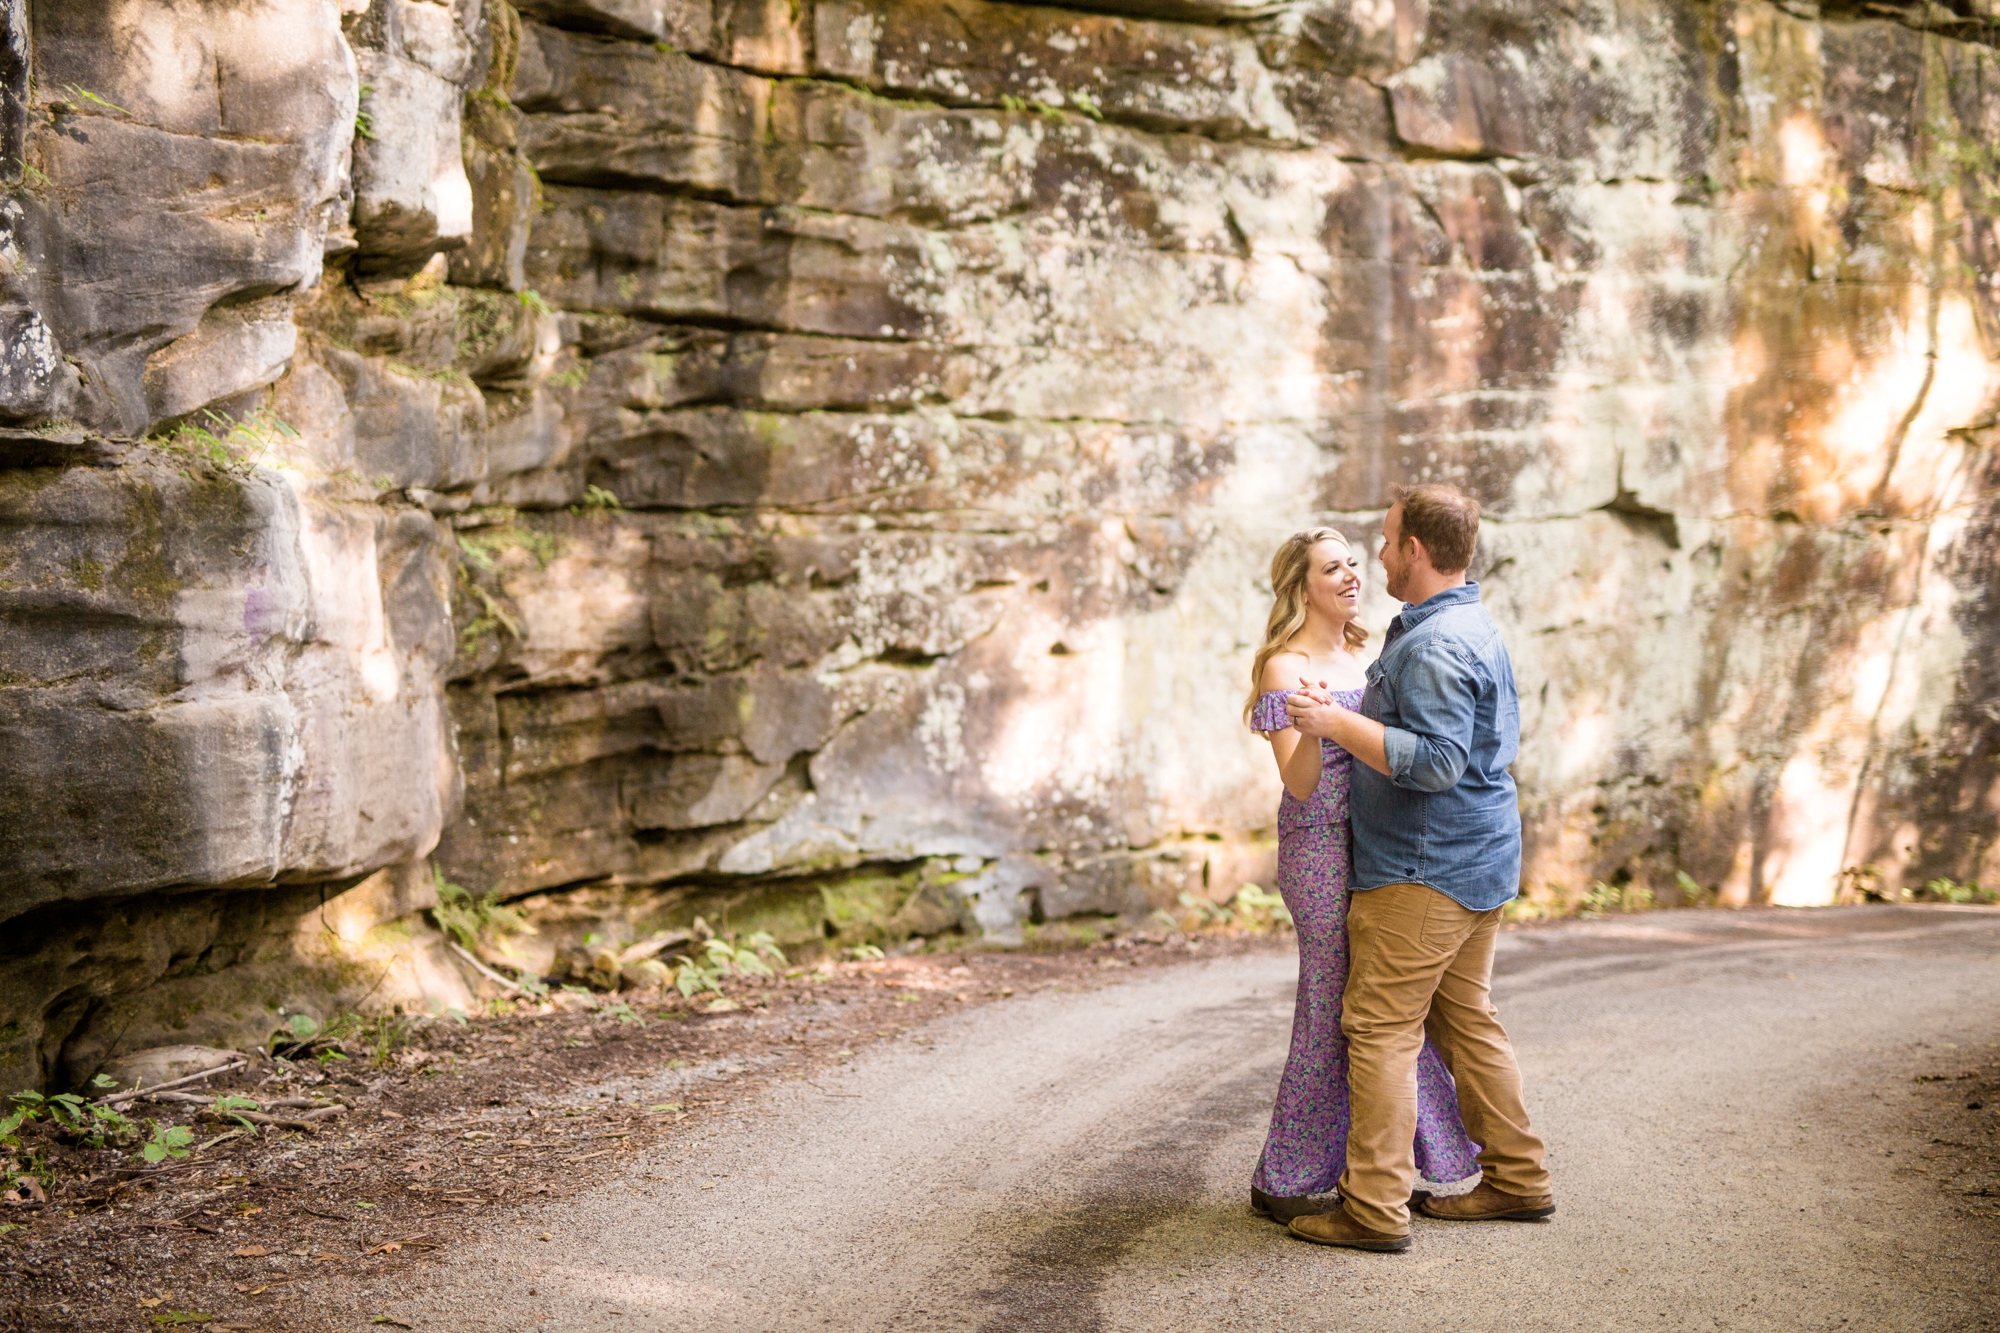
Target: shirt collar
[{"x": 1412, "y": 616}]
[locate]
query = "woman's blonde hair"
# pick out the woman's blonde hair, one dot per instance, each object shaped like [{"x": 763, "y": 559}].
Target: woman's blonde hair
[{"x": 1289, "y": 569}]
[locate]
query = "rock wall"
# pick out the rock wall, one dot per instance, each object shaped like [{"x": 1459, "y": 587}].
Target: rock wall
[{"x": 814, "y": 463}]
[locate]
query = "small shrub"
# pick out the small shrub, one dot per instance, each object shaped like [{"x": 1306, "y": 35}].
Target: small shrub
[
  {"x": 235, "y": 447},
  {"x": 1605, "y": 897},
  {"x": 167, "y": 1141},
  {"x": 464, "y": 917},
  {"x": 1258, "y": 910},
  {"x": 1947, "y": 890}
]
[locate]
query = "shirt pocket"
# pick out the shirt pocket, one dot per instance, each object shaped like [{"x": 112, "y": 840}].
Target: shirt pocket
[{"x": 1375, "y": 698}]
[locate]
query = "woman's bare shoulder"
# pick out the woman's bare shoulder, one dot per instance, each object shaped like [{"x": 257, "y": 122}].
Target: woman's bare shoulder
[{"x": 1282, "y": 672}]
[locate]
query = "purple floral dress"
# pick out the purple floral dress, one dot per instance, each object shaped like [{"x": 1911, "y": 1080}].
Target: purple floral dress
[{"x": 1307, "y": 1146}]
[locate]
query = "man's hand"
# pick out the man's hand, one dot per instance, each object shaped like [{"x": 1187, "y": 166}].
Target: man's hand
[
  {"x": 1314, "y": 713},
  {"x": 1311, "y": 709}
]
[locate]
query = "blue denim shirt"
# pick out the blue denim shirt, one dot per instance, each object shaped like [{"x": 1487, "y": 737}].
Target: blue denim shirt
[{"x": 1447, "y": 816}]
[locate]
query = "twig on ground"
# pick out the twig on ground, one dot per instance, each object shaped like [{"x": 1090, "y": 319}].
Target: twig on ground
[
  {"x": 304, "y": 1122},
  {"x": 220, "y": 1138},
  {"x": 484, "y": 970},
  {"x": 275, "y": 1103},
  {"x": 133, "y": 1094}
]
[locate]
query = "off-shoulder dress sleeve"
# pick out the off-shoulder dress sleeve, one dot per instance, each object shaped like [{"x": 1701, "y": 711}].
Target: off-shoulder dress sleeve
[{"x": 1269, "y": 713}]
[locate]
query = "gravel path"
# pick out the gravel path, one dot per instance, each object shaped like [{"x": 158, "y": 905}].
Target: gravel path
[{"x": 1736, "y": 1132}]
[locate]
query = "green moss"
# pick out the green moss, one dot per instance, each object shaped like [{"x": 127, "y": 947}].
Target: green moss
[
  {"x": 481, "y": 545},
  {"x": 859, "y": 909},
  {"x": 440, "y": 375},
  {"x": 485, "y": 319}
]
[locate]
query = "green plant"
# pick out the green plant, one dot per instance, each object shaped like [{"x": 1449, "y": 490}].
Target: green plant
[
  {"x": 1947, "y": 890},
  {"x": 623, "y": 1013},
  {"x": 481, "y": 546},
  {"x": 1604, "y": 897},
  {"x": 692, "y": 977},
  {"x": 1010, "y": 102},
  {"x": 85, "y": 95},
  {"x": 229, "y": 1105},
  {"x": 464, "y": 917},
  {"x": 10, "y": 1126},
  {"x": 231, "y": 446},
  {"x": 596, "y": 497},
  {"x": 570, "y": 377},
  {"x": 167, "y": 1141},
  {"x": 364, "y": 124},
  {"x": 1692, "y": 893},
  {"x": 91, "y": 1123},
  {"x": 1087, "y": 104},
  {"x": 1205, "y": 913},
  {"x": 865, "y": 953},
  {"x": 532, "y": 299},
  {"x": 1258, "y": 909},
  {"x": 721, "y": 958}
]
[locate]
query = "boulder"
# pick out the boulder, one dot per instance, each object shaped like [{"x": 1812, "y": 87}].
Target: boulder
[{"x": 165, "y": 1064}]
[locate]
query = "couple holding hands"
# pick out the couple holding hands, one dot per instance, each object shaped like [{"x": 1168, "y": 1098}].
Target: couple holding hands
[{"x": 1399, "y": 841}]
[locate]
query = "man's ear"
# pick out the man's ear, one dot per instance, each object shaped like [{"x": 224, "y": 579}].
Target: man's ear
[{"x": 1418, "y": 555}]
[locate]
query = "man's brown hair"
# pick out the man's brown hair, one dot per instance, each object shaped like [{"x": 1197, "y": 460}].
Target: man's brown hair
[{"x": 1444, "y": 518}]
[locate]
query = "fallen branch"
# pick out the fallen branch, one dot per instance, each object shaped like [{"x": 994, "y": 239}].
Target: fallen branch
[
  {"x": 484, "y": 970},
  {"x": 220, "y": 1138},
  {"x": 303, "y": 1122},
  {"x": 132, "y": 1095},
  {"x": 196, "y": 1099}
]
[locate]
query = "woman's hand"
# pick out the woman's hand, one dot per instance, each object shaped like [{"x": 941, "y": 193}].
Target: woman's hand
[{"x": 1316, "y": 714}]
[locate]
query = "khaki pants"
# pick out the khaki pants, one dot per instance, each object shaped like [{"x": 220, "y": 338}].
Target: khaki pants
[{"x": 1421, "y": 963}]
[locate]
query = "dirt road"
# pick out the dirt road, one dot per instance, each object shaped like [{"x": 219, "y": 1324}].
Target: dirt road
[{"x": 1738, "y": 1130}]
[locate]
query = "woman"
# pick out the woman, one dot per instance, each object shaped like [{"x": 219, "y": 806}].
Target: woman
[{"x": 1312, "y": 638}]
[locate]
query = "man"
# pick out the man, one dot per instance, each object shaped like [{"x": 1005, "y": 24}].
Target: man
[{"x": 1437, "y": 853}]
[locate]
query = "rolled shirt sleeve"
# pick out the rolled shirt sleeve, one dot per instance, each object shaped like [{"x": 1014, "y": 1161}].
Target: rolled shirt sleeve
[{"x": 1436, "y": 696}]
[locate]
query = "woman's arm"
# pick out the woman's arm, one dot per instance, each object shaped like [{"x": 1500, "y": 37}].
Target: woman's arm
[{"x": 1298, "y": 756}]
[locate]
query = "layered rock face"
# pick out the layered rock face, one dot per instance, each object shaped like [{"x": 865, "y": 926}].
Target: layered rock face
[{"x": 814, "y": 464}]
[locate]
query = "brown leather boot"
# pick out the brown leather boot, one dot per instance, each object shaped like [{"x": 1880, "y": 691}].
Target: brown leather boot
[
  {"x": 1337, "y": 1228},
  {"x": 1487, "y": 1204}
]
